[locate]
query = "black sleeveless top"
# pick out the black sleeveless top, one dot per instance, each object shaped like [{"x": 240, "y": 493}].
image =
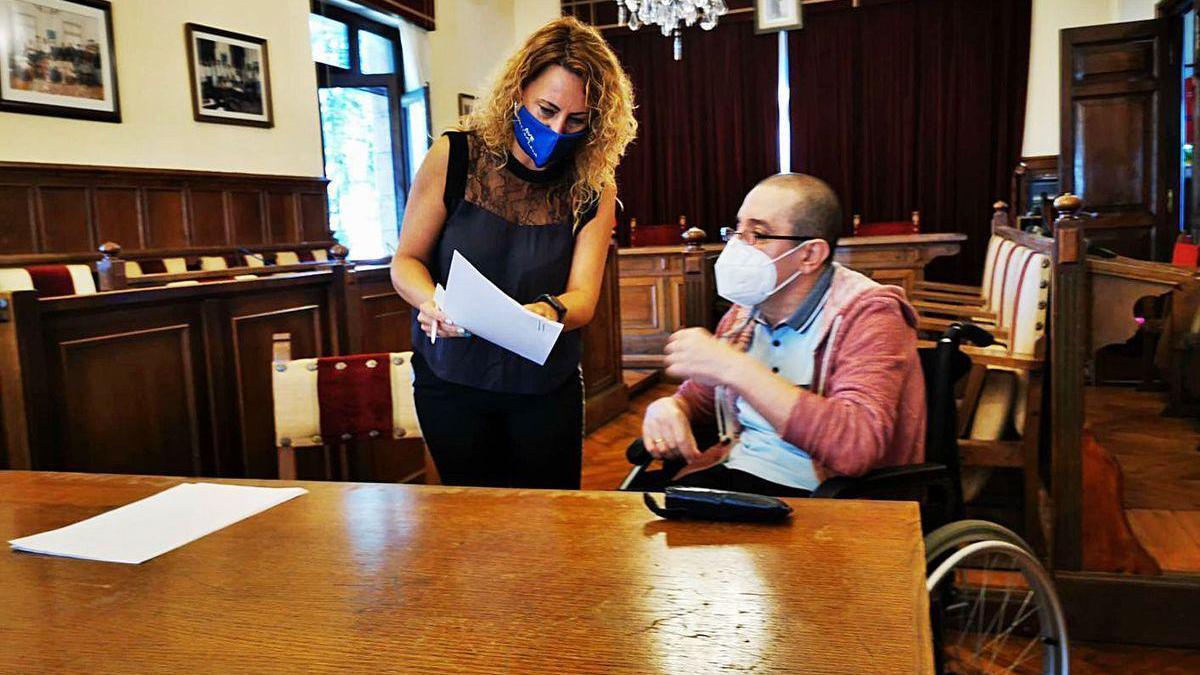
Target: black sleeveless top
[{"x": 515, "y": 225}]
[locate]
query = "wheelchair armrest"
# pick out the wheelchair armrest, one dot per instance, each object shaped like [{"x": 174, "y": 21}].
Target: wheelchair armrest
[
  {"x": 886, "y": 481},
  {"x": 706, "y": 437}
]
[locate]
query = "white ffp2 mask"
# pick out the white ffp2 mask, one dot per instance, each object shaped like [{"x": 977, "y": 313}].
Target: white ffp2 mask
[{"x": 746, "y": 275}]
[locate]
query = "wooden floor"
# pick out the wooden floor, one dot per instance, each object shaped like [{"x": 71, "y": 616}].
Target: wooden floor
[
  {"x": 1160, "y": 467},
  {"x": 604, "y": 466}
]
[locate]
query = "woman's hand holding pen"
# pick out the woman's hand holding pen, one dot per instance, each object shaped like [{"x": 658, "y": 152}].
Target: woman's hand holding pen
[{"x": 433, "y": 319}]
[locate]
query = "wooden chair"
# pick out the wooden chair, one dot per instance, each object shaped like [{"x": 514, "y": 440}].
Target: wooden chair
[
  {"x": 1000, "y": 411},
  {"x": 657, "y": 235},
  {"x": 49, "y": 280},
  {"x": 941, "y": 304},
  {"x": 337, "y": 400},
  {"x": 891, "y": 228}
]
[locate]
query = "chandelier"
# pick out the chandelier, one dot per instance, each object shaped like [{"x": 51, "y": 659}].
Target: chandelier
[{"x": 671, "y": 16}]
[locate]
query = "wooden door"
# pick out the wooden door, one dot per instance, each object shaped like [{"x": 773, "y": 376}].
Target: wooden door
[{"x": 1118, "y": 82}]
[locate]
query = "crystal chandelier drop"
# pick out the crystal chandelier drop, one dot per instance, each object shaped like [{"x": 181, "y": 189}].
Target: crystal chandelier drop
[{"x": 671, "y": 16}]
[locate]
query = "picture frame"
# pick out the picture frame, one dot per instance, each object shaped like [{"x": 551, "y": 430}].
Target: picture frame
[
  {"x": 466, "y": 104},
  {"x": 229, "y": 75},
  {"x": 59, "y": 59},
  {"x": 773, "y": 16}
]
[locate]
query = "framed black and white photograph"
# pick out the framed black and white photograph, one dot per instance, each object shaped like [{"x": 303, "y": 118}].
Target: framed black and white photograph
[
  {"x": 56, "y": 58},
  {"x": 230, "y": 77},
  {"x": 466, "y": 104},
  {"x": 772, "y": 16}
]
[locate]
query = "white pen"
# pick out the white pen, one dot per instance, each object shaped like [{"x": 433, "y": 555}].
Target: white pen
[{"x": 433, "y": 333}]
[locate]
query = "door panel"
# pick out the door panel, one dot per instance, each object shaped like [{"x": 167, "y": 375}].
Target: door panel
[{"x": 1116, "y": 81}]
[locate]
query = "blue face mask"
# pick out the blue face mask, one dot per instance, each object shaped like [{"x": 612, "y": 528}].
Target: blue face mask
[{"x": 543, "y": 144}]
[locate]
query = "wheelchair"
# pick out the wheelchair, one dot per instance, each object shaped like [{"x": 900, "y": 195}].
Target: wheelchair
[{"x": 993, "y": 606}]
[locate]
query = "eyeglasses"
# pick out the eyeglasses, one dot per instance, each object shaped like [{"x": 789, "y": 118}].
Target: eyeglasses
[{"x": 751, "y": 237}]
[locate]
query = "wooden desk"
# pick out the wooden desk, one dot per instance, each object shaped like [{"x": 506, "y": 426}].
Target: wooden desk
[
  {"x": 423, "y": 579},
  {"x": 665, "y": 288}
]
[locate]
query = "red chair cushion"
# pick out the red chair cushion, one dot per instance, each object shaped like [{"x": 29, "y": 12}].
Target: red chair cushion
[
  {"x": 51, "y": 280},
  {"x": 885, "y": 229},
  {"x": 354, "y": 397},
  {"x": 1186, "y": 254}
]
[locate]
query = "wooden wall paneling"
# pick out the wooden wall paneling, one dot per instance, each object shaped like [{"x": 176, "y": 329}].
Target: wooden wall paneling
[
  {"x": 314, "y": 217},
  {"x": 64, "y": 219},
  {"x": 208, "y": 218},
  {"x": 126, "y": 389},
  {"x": 605, "y": 396},
  {"x": 247, "y": 217},
  {"x": 386, "y": 317},
  {"x": 252, "y": 322},
  {"x": 18, "y": 224},
  {"x": 70, "y": 209},
  {"x": 283, "y": 217},
  {"x": 167, "y": 224},
  {"x": 119, "y": 216}
]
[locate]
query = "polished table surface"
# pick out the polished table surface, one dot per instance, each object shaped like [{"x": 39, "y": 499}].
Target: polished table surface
[{"x": 429, "y": 579}]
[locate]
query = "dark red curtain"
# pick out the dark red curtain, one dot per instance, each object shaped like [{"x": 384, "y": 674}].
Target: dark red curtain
[
  {"x": 708, "y": 125},
  {"x": 906, "y": 105}
]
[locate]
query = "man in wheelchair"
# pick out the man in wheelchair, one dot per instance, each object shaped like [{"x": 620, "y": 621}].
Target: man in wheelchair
[{"x": 813, "y": 372}]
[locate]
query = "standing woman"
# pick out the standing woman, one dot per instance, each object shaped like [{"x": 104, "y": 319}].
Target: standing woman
[{"x": 525, "y": 189}]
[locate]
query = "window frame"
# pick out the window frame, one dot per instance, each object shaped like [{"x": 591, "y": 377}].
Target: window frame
[{"x": 333, "y": 77}]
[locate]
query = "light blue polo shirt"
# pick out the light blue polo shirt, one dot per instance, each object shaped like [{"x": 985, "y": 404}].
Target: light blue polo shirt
[{"x": 787, "y": 349}]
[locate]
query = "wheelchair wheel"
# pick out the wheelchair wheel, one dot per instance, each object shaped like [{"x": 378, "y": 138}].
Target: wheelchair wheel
[
  {"x": 953, "y": 536},
  {"x": 993, "y": 606}
]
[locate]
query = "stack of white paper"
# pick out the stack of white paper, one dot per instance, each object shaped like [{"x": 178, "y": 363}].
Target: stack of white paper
[
  {"x": 472, "y": 301},
  {"x": 137, "y": 532}
]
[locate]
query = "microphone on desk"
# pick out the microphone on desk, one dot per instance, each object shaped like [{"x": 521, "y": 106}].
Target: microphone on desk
[{"x": 250, "y": 254}]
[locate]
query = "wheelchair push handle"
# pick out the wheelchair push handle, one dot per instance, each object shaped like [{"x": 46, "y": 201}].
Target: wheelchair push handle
[
  {"x": 637, "y": 454},
  {"x": 960, "y": 332}
]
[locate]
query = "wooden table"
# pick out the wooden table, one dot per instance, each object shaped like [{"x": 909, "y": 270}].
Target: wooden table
[{"x": 422, "y": 579}]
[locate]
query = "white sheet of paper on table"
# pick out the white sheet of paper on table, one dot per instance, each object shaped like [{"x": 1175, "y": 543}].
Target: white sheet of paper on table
[
  {"x": 149, "y": 527},
  {"x": 472, "y": 301}
]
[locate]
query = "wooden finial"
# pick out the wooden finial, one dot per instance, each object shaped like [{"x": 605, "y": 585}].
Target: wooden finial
[
  {"x": 916, "y": 221},
  {"x": 1067, "y": 204},
  {"x": 110, "y": 270},
  {"x": 682, "y": 222},
  {"x": 693, "y": 238},
  {"x": 1000, "y": 215},
  {"x": 1068, "y": 236},
  {"x": 339, "y": 252}
]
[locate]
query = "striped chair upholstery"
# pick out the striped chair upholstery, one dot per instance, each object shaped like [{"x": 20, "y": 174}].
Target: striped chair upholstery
[
  {"x": 141, "y": 268},
  {"x": 341, "y": 398},
  {"x": 49, "y": 280},
  {"x": 301, "y": 256},
  {"x": 1002, "y": 403}
]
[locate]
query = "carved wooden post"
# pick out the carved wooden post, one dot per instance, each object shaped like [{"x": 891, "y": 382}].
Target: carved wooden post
[
  {"x": 345, "y": 303},
  {"x": 111, "y": 269},
  {"x": 697, "y": 280},
  {"x": 23, "y": 380},
  {"x": 1000, "y": 216},
  {"x": 1068, "y": 350}
]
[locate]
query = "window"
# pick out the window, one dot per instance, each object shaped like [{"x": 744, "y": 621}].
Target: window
[{"x": 359, "y": 91}]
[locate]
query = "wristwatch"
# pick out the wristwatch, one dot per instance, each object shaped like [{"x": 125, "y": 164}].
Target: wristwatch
[{"x": 555, "y": 304}]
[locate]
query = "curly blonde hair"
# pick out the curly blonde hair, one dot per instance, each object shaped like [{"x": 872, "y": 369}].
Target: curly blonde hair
[{"x": 580, "y": 49}]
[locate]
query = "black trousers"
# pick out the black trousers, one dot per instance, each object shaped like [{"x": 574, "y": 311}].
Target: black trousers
[
  {"x": 719, "y": 477},
  {"x": 485, "y": 439}
]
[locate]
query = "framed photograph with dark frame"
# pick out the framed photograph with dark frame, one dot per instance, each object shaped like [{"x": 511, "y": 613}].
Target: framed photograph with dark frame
[
  {"x": 772, "y": 16},
  {"x": 229, "y": 75},
  {"x": 57, "y": 58},
  {"x": 466, "y": 104}
]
